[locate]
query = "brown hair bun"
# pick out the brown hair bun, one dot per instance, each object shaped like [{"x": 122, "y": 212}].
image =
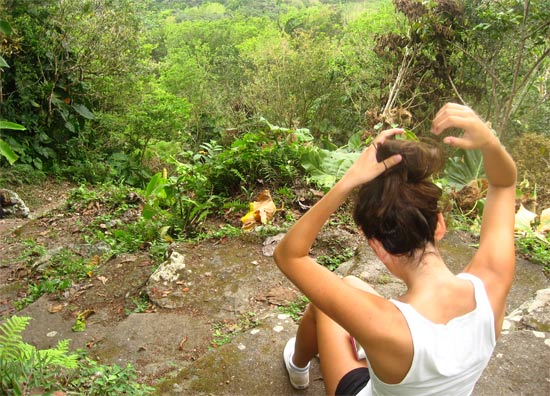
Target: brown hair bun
[{"x": 399, "y": 208}]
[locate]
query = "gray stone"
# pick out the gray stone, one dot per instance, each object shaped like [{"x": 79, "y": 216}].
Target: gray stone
[
  {"x": 218, "y": 283},
  {"x": 157, "y": 342},
  {"x": 257, "y": 369},
  {"x": 43, "y": 263},
  {"x": 532, "y": 314},
  {"x": 165, "y": 286},
  {"x": 538, "y": 312},
  {"x": 11, "y": 205},
  {"x": 270, "y": 244},
  {"x": 520, "y": 366},
  {"x": 57, "y": 325}
]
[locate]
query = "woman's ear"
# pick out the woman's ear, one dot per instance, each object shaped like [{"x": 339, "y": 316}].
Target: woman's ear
[
  {"x": 379, "y": 250},
  {"x": 440, "y": 228}
]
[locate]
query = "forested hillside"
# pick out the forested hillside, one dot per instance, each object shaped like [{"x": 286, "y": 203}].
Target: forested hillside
[{"x": 235, "y": 96}]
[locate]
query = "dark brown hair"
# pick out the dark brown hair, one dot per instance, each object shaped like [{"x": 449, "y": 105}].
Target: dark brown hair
[{"x": 399, "y": 208}]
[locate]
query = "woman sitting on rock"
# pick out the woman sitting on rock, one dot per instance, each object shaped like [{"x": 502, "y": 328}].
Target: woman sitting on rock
[{"x": 437, "y": 338}]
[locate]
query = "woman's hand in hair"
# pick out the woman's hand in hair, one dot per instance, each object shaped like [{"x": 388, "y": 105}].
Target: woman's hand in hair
[
  {"x": 366, "y": 167},
  {"x": 477, "y": 133}
]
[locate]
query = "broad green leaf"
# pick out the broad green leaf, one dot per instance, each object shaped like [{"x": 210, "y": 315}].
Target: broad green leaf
[
  {"x": 407, "y": 135},
  {"x": 355, "y": 143},
  {"x": 11, "y": 125},
  {"x": 326, "y": 167},
  {"x": 37, "y": 162},
  {"x": 464, "y": 168},
  {"x": 3, "y": 62},
  {"x": 155, "y": 186},
  {"x": 148, "y": 212},
  {"x": 7, "y": 152},
  {"x": 83, "y": 111},
  {"x": 303, "y": 135},
  {"x": 5, "y": 28}
]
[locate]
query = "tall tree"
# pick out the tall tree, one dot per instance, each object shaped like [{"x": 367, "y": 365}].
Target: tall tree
[
  {"x": 61, "y": 55},
  {"x": 510, "y": 45}
]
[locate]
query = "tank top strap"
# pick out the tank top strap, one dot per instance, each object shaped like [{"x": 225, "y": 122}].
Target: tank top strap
[{"x": 482, "y": 299}]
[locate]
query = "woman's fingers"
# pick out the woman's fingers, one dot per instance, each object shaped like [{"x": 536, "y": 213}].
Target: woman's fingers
[
  {"x": 390, "y": 162},
  {"x": 458, "y": 142},
  {"x": 381, "y": 138},
  {"x": 451, "y": 117}
]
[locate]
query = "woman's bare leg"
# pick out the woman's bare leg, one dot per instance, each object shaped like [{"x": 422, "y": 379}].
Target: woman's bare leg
[
  {"x": 306, "y": 339},
  {"x": 336, "y": 353},
  {"x": 318, "y": 333}
]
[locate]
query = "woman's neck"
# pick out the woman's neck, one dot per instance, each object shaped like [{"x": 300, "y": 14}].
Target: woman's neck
[{"x": 430, "y": 273}]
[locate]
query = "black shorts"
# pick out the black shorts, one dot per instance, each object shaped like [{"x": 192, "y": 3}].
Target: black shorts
[{"x": 353, "y": 382}]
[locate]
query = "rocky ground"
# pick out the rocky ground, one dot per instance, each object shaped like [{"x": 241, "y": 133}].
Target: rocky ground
[{"x": 211, "y": 321}]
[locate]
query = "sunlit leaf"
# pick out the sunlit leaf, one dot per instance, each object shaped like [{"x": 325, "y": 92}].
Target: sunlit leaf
[
  {"x": 465, "y": 167},
  {"x": 524, "y": 219},
  {"x": 261, "y": 211},
  {"x": 407, "y": 135},
  {"x": 7, "y": 152},
  {"x": 544, "y": 225},
  {"x": 11, "y": 125},
  {"x": 326, "y": 167}
]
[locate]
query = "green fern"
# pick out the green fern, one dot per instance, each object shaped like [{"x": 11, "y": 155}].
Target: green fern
[
  {"x": 11, "y": 341},
  {"x": 22, "y": 365}
]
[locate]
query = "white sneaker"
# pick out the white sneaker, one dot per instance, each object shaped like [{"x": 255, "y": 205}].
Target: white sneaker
[{"x": 299, "y": 377}]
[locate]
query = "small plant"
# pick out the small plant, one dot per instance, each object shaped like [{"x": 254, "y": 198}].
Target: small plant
[
  {"x": 37, "y": 289},
  {"x": 26, "y": 370},
  {"x": 95, "y": 379},
  {"x": 22, "y": 366},
  {"x": 224, "y": 231},
  {"x": 536, "y": 248},
  {"x": 221, "y": 336},
  {"x": 32, "y": 250},
  {"x": 296, "y": 308},
  {"x": 332, "y": 262},
  {"x": 141, "y": 304},
  {"x": 226, "y": 330},
  {"x": 64, "y": 269},
  {"x": 180, "y": 202}
]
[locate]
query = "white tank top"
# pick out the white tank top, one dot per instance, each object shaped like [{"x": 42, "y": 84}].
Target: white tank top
[{"x": 448, "y": 358}]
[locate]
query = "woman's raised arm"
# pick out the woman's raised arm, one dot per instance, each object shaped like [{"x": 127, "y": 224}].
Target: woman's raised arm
[{"x": 494, "y": 261}]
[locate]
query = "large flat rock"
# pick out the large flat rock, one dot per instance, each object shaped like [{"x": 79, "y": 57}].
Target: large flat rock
[
  {"x": 520, "y": 366},
  {"x": 252, "y": 364}
]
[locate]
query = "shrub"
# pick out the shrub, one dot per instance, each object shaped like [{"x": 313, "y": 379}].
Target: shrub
[{"x": 532, "y": 155}]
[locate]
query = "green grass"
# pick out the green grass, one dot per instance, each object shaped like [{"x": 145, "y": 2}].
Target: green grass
[
  {"x": 296, "y": 308},
  {"x": 64, "y": 269},
  {"x": 225, "y": 331},
  {"x": 535, "y": 249},
  {"x": 333, "y": 261}
]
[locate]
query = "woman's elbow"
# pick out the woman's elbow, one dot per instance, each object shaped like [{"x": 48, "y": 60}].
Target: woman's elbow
[{"x": 278, "y": 255}]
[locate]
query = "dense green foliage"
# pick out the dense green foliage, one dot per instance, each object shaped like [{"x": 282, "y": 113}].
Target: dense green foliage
[{"x": 118, "y": 90}]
